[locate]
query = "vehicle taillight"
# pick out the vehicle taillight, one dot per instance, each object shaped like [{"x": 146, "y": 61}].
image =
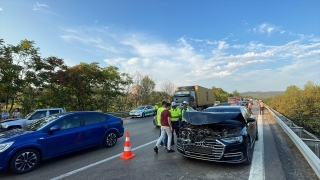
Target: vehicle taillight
[{"x": 121, "y": 121}]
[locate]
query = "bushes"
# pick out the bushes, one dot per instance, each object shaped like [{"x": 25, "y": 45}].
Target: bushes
[{"x": 302, "y": 106}]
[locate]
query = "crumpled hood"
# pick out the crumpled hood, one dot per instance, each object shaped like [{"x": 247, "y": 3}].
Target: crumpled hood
[
  {"x": 12, "y": 134},
  {"x": 200, "y": 118}
]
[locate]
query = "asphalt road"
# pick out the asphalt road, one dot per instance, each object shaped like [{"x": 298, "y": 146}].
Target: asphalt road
[{"x": 275, "y": 157}]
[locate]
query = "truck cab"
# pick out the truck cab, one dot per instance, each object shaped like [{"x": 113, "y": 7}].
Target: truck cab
[{"x": 186, "y": 93}]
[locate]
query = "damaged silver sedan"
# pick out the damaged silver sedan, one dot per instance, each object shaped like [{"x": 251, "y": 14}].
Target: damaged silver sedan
[{"x": 221, "y": 134}]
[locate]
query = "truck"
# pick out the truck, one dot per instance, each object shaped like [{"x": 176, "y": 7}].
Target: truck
[
  {"x": 197, "y": 97},
  {"x": 9, "y": 124}
]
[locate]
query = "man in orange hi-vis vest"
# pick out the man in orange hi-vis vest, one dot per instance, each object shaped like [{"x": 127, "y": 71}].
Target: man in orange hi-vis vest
[{"x": 250, "y": 107}]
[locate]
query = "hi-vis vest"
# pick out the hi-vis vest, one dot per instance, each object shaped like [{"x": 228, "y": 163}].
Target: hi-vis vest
[
  {"x": 160, "y": 109},
  {"x": 175, "y": 113},
  {"x": 182, "y": 111}
]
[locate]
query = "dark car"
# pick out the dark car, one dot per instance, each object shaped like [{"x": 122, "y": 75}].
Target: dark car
[
  {"x": 221, "y": 134},
  {"x": 21, "y": 150}
]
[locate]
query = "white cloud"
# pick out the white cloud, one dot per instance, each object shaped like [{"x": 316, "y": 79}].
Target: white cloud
[
  {"x": 183, "y": 63},
  {"x": 37, "y": 6},
  {"x": 266, "y": 28},
  {"x": 1, "y": 9}
]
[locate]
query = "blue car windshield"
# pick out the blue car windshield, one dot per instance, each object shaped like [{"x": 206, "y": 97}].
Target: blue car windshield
[{"x": 39, "y": 124}]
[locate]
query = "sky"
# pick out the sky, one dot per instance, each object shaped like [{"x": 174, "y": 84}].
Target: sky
[{"x": 264, "y": 45}]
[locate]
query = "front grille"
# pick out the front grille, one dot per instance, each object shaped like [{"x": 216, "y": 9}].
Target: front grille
[{"x": 206, "y": 150}]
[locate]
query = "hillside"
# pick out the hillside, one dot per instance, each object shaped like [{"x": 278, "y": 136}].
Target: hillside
[{"x": 261, "y": 95}]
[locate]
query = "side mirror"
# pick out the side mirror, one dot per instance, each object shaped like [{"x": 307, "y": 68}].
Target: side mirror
[
  {"x": 54, "y": 129},
  {"x": 250, "y": 120}
]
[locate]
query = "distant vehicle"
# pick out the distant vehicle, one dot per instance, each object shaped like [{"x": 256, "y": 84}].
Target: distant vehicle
[
  {"x": 221, "y": 134},
  {"x": 21, "y": 150},
  {"x": 198, "y": 97},
  {"x": 217, "y": 103},
  {"x": 142, "y": 111},
  {"x": 234, "y": 99},
  {"x": 155, "y": 117},
  {"x": 241, "y": 103},
  {"x": 9, "y": 124},
  {"x": 227, "y": 104}
]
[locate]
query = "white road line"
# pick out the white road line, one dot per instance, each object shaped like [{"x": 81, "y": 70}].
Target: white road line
[
  {"x": 97, "y": 163},
  {"x": 257, "y": 165}
]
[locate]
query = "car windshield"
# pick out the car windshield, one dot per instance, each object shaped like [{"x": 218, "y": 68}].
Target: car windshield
[
  {"x": 28, "y": 115},
  {"x": 182, "y": 93},
  {"x": 39, "y": 124},
  {"x": 140, "y": 108}
]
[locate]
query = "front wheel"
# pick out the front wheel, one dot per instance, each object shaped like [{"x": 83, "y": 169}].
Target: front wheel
[
  {"x": 143, "y": 115},
  {"x": 248, "y": 153},
  {"x": 110, "y": 139},
  {"x": 25, "y": 161}
]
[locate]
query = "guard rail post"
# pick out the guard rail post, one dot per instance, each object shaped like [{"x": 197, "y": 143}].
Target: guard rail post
[{"x": 297, "y": 130}]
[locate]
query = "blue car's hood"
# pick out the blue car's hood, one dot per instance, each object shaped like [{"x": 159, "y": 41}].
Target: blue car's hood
[{"x": 13, "y": 134}]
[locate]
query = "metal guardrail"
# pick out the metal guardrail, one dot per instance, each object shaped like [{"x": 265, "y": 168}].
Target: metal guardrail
[{"x": 296, "y": 133}]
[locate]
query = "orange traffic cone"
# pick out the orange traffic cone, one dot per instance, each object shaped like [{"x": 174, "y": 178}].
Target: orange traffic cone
[{"x": 127, "y": 153}]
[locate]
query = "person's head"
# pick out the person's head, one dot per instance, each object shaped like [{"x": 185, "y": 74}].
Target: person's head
[
  {"x": 5, "y": 111},
  {"x": 173, "y": 105},
  {"x": 168, "y": 105},
  {"x": 185, "y": 104},
  {"x": 164, "y": 103},
  {"x": 16, "y": 109}
]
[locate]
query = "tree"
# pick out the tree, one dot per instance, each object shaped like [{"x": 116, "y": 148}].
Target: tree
[
  {"x": 235, "y": 93},
  {"x": 220, "y": 94},
  {"x": 167, "y": 89},
  {"x": 14, "y": 63},
  {"x": 143, "y": 86}
]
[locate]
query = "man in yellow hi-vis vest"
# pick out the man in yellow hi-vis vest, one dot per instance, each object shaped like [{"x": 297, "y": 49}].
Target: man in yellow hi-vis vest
[{"x": 184, "y": 109}]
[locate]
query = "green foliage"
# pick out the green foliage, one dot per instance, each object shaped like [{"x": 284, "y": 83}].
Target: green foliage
[
  {"x": 220, "y": 95},
  {"x": 302, "y": 106}
]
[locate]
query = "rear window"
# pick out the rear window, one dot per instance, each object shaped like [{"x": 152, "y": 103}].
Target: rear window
[{"x": 91, "y": 119}]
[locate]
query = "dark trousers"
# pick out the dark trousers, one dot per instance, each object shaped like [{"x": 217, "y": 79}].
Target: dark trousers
[{"x": 261, "y": 110}]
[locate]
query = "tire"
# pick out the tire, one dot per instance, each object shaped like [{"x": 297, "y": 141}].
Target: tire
[
  {"x": 154, "y": 122},
  {"x": 110, "y": 139},
  {"x": 143, "y": 115},
  {"x": 24, "y": 161},
  {"x": 248, "y": 153},
  {"x": 257, "y": 136}
]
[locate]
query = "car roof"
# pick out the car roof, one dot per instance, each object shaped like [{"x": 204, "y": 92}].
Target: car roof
[
  {"x": 225, "y": 107},
  {"x": 82, "y": 112}
]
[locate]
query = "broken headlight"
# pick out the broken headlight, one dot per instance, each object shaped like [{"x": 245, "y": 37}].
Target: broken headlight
[{"x": 231, "y": 140}]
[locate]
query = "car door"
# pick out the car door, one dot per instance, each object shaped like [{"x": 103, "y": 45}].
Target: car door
[
  {"x": 93, "y": 129},
  {"x": 37, "y": 115},
  {"x": 250, "y": 126},
  {"x": 65, "y": 140},
  {"x": 150, "y": 110}
]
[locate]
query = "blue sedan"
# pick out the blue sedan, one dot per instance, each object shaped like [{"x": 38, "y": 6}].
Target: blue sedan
[{"x": 21, "y": 150}]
